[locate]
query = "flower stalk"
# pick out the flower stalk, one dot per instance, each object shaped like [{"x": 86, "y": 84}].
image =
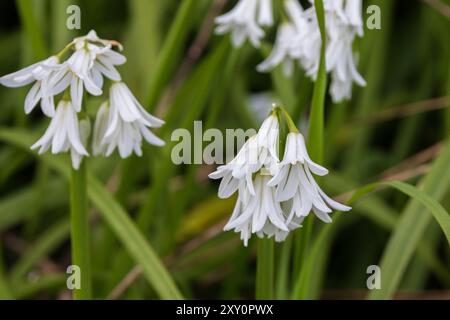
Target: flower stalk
[{"x": 80, "y": 231}]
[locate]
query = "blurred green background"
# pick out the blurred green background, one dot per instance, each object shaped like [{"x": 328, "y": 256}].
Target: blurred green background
[{"x": 393, "y": 129}]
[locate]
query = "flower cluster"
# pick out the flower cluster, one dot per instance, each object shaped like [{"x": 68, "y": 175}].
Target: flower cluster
[
  {"x": 121, "y": 121},
  {"x": 273, "y": 196},
  {"x": 299, "y": 39}
]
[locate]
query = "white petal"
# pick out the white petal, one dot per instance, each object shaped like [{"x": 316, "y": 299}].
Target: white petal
[
  {"x": 48, "y": 106},
  {"x": 322, "y": 215},
  {"x": 288, "y": 186},
  {"x": 100, "y": 126},
  {"x": 76, "y": 93},
  {"x": 228, "y": 186},
  {"x": 105, "y": 67},
  {"x": 33, "y": 97},
  {"x": 150, "y": 137}
]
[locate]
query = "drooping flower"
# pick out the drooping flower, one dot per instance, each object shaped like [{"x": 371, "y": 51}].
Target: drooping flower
[
  {"x": 283, "y": 52},
  {"x": 295, "y": 183},
  {"x": 104, "y": 57},
  {"x": 258, "y": 213},
  {"x": 353, "y": 12},
  {"x": 65, "y": 134},
  {"x": 245, "y": 21},
  {"x": 37, "y": 73},
  {"x": 93, "y": 58},
  {"x": 299, "y": 40},
  {"x": 340, "y": 60},
  {"x": 122, "y": 123}
]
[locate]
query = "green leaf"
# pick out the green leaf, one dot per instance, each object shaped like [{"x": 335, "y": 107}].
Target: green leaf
[
  {"x": 412, "y": 225},
  {"x": 46, "y": 283},
  {"x": 133, "y": 240},
  {"x": 439, "y": 213},
  {"x": 302, "y": 285}
]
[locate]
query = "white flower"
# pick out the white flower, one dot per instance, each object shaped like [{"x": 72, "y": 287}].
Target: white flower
[
  {"x": 306, "y": 46},
  {"x": 245, "y": 21},
  {"x": 63, "y": 134},
  {"x": 295, "y": 183},
  {"x": 104, "y": 58},
  {"x": 283, "y": 51},
  {"x": 353, "y": 12},
  {"x": 258, "y": 213},
  {"x": 343, "y": 22},
  {"x": 259, "y": 152},
  {"x": 74, "y": 73},
  {"x": 341, "y": 62},
  {"x": 93, "y": 58},
  {"x": 335, "y": 7},
  {"x": 122, "y": 123},
  {"x": 37, "y": 73}
]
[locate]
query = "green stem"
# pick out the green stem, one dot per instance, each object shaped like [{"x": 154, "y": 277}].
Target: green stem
[
  {"x": 264, "y": 269},
  {"x": 80, "y": 231},
  {"x": 283, "y": 264}
]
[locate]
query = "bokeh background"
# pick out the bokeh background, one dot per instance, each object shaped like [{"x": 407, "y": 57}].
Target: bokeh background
[{"x": 393, "y": 129}]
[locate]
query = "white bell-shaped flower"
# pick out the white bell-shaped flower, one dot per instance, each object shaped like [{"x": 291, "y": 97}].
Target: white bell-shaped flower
[
  {"x": 245, "y": 21},
  {"x": 123, "y": 123},
  {"x": 295, "y": 183},
  {"x": 258, "y": 213},
  {"x": 283, "y": 52},
  {"x": 65, "y": 134},
  {"x": 260, "y": 151},
  {"x": 37, "y": 73}
]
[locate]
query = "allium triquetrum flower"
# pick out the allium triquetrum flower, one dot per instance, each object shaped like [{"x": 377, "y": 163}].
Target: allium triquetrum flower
[
  {"x": 273, "y": 197},
  {"x": 295, "y": 182},
  {"x": 37, "y": 73},
  {"x": 256, "y": 211},
  {"x": 299, "y": 39},
  {"x": 122, "y": 123},
  {"x": 65, "y": 134},
  {"x": 93, "y": 58}
]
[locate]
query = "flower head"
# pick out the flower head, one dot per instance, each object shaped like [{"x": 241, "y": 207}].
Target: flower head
[
  {"x": 245, "y": 20},
  {"x": 299, "y": 39},
  {"x": 122, "y": 123},
  {"x": 92, "y": 60},
  {"x": 258, "y": 213},
  {"x": 65, "y": 134},
  {"x": 295, "y": 183},
  {"x": 273, "y": 197},
  {"x": 259, "y": 152}
]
